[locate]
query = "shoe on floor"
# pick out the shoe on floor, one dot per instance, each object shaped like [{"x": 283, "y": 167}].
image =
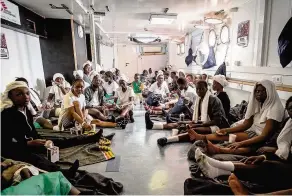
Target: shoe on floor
[{"x": 162, "y": 141}]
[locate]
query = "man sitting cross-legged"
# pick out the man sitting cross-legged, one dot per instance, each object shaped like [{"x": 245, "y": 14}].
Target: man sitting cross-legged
[
  {"x": 208, "y": 117},
  {"x": 94, "y": 97}
]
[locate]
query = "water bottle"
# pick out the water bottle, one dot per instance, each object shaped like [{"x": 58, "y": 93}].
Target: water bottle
[{"x": 181, "y": 117}]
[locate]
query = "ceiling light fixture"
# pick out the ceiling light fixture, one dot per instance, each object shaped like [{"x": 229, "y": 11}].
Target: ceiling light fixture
[
  {"x": 202, "y": 27},
  {"x": 162, "y": 18},
  {"x": 213, "y": 21}
]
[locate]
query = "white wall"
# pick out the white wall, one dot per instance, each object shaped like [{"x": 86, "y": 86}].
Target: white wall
[
  {"x": 253, "y": 67},
  {"x": 25, "y": 60},
  {"x": 106, "y": 57},
  {"x": 137, "y": 63}
]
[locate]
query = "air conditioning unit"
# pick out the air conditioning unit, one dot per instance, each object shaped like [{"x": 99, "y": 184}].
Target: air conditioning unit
[{"x": 152, "y": 49}]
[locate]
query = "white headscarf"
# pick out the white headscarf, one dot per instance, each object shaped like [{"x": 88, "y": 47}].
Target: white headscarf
[
  {"x": 79, "y": 73},
  {"x": 93, "y": 74},
  {"x": 221, "y": 80},
  {"x": 181, "y": 71},
  {"x": 87, "y": 63},
  {"x": 272, "y": 107},
  {"x": 6, "y": 102},
  {"x": 58, "y": 75}
]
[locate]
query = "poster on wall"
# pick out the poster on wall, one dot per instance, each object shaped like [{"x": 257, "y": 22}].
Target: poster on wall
[
  {"x": 243, "y": 33},
  {"x": 4, "y": 49},
  {"x": 10, "y": 12}
]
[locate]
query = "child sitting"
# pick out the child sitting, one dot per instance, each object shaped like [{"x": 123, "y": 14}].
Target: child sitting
[{"x": 138, "y": 86}]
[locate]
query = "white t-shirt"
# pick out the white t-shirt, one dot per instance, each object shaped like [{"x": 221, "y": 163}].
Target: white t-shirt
[
  {"x": 94, "y": 101},
  {"x": 124, "y": 97},
  {"x": 110, "y": 88},
  {"x": 68, "y": 100},
  {"x": 190, "y": 93},
  {"x": 162, "y": 90},
  {"x": 257, "y": 127},
  {"x": 58, "y": 92}
]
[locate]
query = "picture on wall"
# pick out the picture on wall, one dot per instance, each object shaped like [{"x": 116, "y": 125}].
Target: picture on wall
[
  {"x": 4, "y": 49},
  {"x": 243, "y": 33}
]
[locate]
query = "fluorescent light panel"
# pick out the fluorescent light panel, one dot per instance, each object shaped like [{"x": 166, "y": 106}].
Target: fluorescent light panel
[
  {"x": 162, "y": 19},
  {"x": 213, "y": 21}
]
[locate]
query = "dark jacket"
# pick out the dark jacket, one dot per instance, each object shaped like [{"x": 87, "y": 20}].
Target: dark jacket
[
  {"x": 224, "y": 98},
  {"x": 16, "y": 130},
  {"x": 216, "y": 112},
  {"x": 89, "y": 92}
]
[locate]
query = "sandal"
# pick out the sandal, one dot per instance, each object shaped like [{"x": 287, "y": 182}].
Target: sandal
[
  {"x": 103, "y": 148},
  {"x": 104, "y": 142}
]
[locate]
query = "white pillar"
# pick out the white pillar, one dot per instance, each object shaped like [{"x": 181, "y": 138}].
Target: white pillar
[{"x": 93, "y": 42}]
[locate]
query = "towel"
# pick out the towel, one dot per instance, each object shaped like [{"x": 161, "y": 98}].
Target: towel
[
  {"x": 284, "y": 141},
  {"x": 79, "y": 73},
  {"x": 204, "y": 108},
  {"x": 6, "y": 102},
  {"x": 221, "y": 80},
  {"x": 272, "y": 108}
]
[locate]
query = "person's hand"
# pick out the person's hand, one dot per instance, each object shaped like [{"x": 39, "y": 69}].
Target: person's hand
[
  {"x": 235, "y": 145},
  {"x": 254, "y": 160},
  {"x": 48, "y": 144},
  {"x": 221, "y": 132},
  {"x": 87, "y": 127},
  {"x": 266, "y": 149}
]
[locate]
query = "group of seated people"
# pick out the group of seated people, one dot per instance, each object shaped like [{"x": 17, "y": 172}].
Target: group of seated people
[
  {"x": 266, "y": 129},
  {"x": 192, "y": 108}
]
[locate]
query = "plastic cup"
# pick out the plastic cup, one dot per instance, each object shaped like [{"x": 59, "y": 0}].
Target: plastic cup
[
  {"x": 94, "y": 127},
  {"x": 232, "y": 138}
]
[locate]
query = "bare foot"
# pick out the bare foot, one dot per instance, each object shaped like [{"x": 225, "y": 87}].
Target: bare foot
[
  {"x": 236, "y": 186},
  {"x": 195, "y": 136},
  {"x": 211, "y": 148}
]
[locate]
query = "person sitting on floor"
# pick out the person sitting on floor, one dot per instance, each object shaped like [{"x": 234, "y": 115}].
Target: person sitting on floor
[
  {"x": 87, "y": 68},
  {"x": 53, "y": 183},
  {"x": 263, "y": 169},
  {"x": 205, "y": 77},
  {"x": 190, "y": 80},
  {"x": 125, "y": 99},
  {"x": 187, "y": 97},
  {"x": 120, "y": 75},
  {"x": 264, "y": 114},
  {"x": 173, "y": 86},
  {"x": 74, "y": 113},
  {"x": 59, "y": 88},
  {"x": 159, "y": 88},
  {"x": 19, "y": 138},
  {"x": 208, "y": 117},
  {"x": 79, "y": 75},
  {"x": 219, "y": 82},
  {"x": 138, "y": 87},
  {"x": 181, "y": 73},
  {"x": 94, "y": 98},
  {"x": 37, "y": 109},
  {"x": 109, "y": 85},
  {"x": 167, "y": 77}
]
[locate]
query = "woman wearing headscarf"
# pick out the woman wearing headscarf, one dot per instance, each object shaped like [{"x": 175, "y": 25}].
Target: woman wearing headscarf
[
  {"x": 181, "y": 73},
  {"x": 270, "y": 171},
  {"x": 87, "y": 68},
  {"x": 59, "y": 88},
  {"x": 19, "y": 138},
  {"x": 264, "y": 114},
  {"x": 219, "y": 82},
  {"x": 79, "y": 75}
]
